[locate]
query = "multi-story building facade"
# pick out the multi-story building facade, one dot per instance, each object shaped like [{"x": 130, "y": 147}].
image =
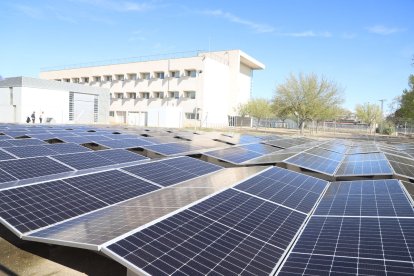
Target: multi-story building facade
[{"x": 202, "y": 88}]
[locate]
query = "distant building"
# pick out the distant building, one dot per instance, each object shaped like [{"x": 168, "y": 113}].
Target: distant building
[
  {"x": 201, "y": 88},
  {"x": 59, "y": 102}
]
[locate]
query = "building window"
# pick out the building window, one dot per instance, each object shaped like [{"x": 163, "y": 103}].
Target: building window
[
  {"x": 145, "y": 76},
  {"x": 173, "y": 94},
  {"x": 131, "y": 95},
  {"x": 159, "y": 95},
  {"x": 144, "y": 95},
  {"x": 75, "y": 80},
  {"x": 66, "y": 80},
  {"x": 58, "y": 80},
  {"x": 132, "y": 76},
  {"x": 190, "y": 94},
  {"x": 174, "y": 74},
  {"x": 190, "y": 73},
  {"x": 111, "y": 114},
  {"x": 159, "y": 75},
  {"x": 108, "y": 78},
  {"x": 192, "y": 116},
  {"x": 97, "y": 78},
  {"x": 85, "y": 79},
  {"x": 119, "y": 95},
  {"x": 119, "y": 77},
  {"x": 71, "y": 106}
]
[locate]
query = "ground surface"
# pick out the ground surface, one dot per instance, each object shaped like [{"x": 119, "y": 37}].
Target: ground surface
[{"x": 18, "y": 257}]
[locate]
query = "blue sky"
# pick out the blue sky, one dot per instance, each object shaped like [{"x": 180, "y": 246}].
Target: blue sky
[{"x": 365, "y": 46}]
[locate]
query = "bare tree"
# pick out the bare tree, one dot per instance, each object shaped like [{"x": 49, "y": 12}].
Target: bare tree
[{"x": 309, "y": 97}]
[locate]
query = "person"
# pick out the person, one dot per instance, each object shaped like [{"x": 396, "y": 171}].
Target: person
[
  {"x": 33, "y": 117},
  {"x": 41, "y": 117},
  {"x": 28, "y": 119}
]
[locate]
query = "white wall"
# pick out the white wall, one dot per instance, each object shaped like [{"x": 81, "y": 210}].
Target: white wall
[
  {"x": 7, "y": 111},
  {"x": 54, "y": 103},
  {"x": 165, "y": 117}
]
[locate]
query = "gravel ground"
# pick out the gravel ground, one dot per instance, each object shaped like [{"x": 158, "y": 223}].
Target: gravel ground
[{"x": 18, "y": 257}]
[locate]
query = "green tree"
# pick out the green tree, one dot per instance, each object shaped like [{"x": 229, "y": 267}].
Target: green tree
[
  {"x": 369, "y": 114},
  {"x": 309, "y": 97},
  {"x": 256, "y": 108},
  {"x": 406, "y": 110}
]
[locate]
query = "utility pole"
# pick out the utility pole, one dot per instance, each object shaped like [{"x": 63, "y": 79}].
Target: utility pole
[{"x": 382, "y": 113}]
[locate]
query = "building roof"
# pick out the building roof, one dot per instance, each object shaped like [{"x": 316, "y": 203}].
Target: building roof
[{"x": 50, "y": 84}]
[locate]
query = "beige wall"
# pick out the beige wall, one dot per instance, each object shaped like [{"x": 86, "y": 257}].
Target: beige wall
[{"x": 221, "y": 83}]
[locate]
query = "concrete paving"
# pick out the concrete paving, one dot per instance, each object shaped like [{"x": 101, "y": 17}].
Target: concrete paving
[{"x": 18, "y": 257}]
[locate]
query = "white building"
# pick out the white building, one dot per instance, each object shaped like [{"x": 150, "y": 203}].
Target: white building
[
  {"x": 202, "y": 88},
  {"x": 58, "y": 102}
]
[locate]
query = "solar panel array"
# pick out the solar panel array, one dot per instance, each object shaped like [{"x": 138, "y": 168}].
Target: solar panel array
[{"x": 237, "y": 231}]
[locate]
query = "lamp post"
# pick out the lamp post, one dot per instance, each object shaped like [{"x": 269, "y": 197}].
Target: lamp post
[{"x": 382, "y": 114}]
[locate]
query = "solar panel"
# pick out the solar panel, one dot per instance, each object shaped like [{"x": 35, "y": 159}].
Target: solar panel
[
  {"x": 326, "y": 154},
  {"x": 83, "y": 160},
  {"x": 362, "y": 149},
  {"x": 63, "y": 148},
  {"x": 5, "y": 177},
  {"x": 281, "y": 143},
  {"x": 402, "y": 169},
  {"x": 5, "y": 156},
  {"x": 32, "y": 207},
  {"x": 365, "y": 157},
  {"x": 30, "y": 151},
  {"x": 32, "y": 167},
  {"x": 365, "y": 198},
  {"x": 206, "y": 239},
  {"x": 172, "y": 148},
  {"x": 5, "y": 137},
  {"x": 235, "y": 155},
  {"x": 76, "y": 139},
  {"x": 124, "y": 143},
  {"x": 111, "y": 186},
  {"x": 338, "y": 148},
  {"x": 25, "y": 142},
  {"x": 380, "y": 167},
  {"x": 42, "y": 136},
  {"x": 5, "y": 143},
  {"x": 313, "y": 162},
  {"x": 400, "y": 159},
  {"x": 260, "y": 148},
  {"x": 120, "y": 155},
  {"x": 291, "y": 189},
  {"x": 374, "y": 238},
  {"x": 172, "y": 171}
]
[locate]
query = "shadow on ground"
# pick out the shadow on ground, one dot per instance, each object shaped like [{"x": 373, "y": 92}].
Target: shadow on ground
[{"x": 16, "y": 260}]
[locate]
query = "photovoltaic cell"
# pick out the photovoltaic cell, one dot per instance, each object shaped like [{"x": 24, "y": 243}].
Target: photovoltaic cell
[
  {"x": 84, "y": 160},
  {"x": 172, "y": 148},
  {"x": 63, "y": 148},
  {"x": 76, "y": 139},
  {"x": 5, "y": 156},
  {"x": 260, "y": 148},
  {"x": 374, "y": 238},
  {"x": 5, "y": 177},
  {"x": 25, "y": 142},
  {"x": 326, "y": 154},
  {"x": 234, "y": 154},
  {"x": 374, "y": 156},
  {"x": 30, "y": 151},
  {"x": 380, "y": 167},
  {"x": 33, "y": 167},
  {"x": 32, "y": 207},
  {"x": 124, "y": 143},
  {"x": 291, "y": 189},
  {"x": 172, "y": 171},
  {"x": 313, "y": 162},
  {"x": 365, "y": 198},
  {"x": 5, "y": 143},
  {"x": 120, "y": 155},
  {"x": 111, "y": 186},
  {"x": 402, "y": 169}
]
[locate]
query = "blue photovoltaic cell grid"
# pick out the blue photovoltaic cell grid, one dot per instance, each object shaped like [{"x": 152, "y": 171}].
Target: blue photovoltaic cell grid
[
  {"x": 4, "y": 144},
  {"x": 379, "y": 167},
  {"x": 365, "y": 198},
  {"x": 326, "y": 154},
  {"x": 234, "y": 154},
  {"x": 76, "y": 139},
  {"x": 172, "y": 148},
  {"x": 63, "y": 148},
  {"x": 120, "y": 155},
  {"x": 172, "y": 171},
  {"x": 84, "y": 160},
  {"x": 375, "y": 156},
  {"x": 307, "y": 264},
  {"x": 42, "y": 136},
  {"x": 32, "y": 207},
  {"x": 230, "y": 233},
  {"x": 25, "y": 142},
  {"x": 260, "y": 148},
  {"x": 124, "y": 143},
  {"x": 314, "y": 163},
  {"x": 5, "y": 137},
  {"x": 5, "y": 156},
  {"x": 30, "y": 151},
  {"x": 111, "y": 186},
  {"x": 33, "y": 167},
  {"x": 5, "y": 177},
  {"x": 359, "y": 237},
  {"x": 291, "y": 189}
]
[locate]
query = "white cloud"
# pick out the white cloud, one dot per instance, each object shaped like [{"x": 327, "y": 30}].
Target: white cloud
[
  {"x": 307, "y": 34},
  {"x": 257, "y": 27},
  {"x": 119, "y": 6},
  {"x": 383, "y": 30},
  {"x": 30, "y": 11}
]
